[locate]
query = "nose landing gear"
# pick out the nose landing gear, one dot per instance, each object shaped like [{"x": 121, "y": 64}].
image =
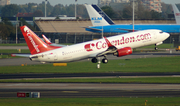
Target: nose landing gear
[{"x": 156, "y": 48}]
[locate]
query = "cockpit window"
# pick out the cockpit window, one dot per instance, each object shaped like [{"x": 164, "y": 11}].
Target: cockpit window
[{"x": 161, "y": 32}]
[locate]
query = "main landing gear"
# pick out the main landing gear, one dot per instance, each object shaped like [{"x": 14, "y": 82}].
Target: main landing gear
[
  {"x": 95, "y": 60},
  {"x": 156, "y": 48}
]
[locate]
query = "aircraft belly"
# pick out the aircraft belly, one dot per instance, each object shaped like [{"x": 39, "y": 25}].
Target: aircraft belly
[
  {"x": 65, "y": 57},
  {"x": 72, "y": 58}
]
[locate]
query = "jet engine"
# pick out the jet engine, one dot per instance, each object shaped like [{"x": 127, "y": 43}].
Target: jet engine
[{"x": 123, "y": 52}]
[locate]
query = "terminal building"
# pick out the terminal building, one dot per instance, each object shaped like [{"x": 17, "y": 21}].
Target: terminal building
[{"x": 73, "y": 31}]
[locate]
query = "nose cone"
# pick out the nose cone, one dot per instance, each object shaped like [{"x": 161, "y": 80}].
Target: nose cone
[{"x": 166, "y": 35}]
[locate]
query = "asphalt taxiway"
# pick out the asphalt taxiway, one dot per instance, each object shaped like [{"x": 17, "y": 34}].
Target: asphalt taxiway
[
  {"x": 6, "y": 93},
  {"x": 87, "y": 75},
  {"x": 53, "y": 90}
]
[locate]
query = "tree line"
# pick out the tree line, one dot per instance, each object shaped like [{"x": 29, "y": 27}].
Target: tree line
[{"x": 38, "y": 10}]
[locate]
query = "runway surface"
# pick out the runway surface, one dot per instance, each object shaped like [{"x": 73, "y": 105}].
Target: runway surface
[
  {"x": 87, "y": 75},
  {"x": 53, "y": 90},
  {"x": 91, "y": 93},
  {"x": 87, "y": 86}
]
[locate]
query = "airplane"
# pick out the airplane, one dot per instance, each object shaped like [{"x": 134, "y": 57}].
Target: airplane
[
  {"x": 119, "y": 45},
  {"x": 102, "y": 23}
]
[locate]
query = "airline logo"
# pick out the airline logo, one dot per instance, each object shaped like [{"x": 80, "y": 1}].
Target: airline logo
[
  {"x": 177, "y": 14},
  {"x": 123, "y": 40},
  {"x": 89, "y": 47},
  {"x": 96, "y": 19},
  {"x": 26, "y": 30}
]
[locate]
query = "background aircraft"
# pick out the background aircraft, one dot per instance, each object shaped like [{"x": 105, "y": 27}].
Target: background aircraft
[
  {"x": 101, "y": 21},
  {"x": 119, "y": 45}
]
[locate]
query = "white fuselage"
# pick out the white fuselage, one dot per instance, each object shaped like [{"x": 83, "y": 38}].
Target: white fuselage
[{"x": 92, "y": 48}]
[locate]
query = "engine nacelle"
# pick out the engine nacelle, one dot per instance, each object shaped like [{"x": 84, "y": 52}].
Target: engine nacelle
[{"x": 123, "y": 52}]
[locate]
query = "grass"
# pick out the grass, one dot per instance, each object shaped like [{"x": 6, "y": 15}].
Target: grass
[
  {"x": 24, "y": 44},
  {"x": 13, "y": 44},
  {"x": 159, "y": 64},
  {"x": 14, "y": 51},
  {"x": 122, "y": 101},
  {"x": 155, "y": 80},
  {"x": 5, "y": 53}
]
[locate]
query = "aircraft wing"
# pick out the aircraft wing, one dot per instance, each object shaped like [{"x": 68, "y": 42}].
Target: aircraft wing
[
  {"x": 21, "y": 55},
  {"x": 129, "y": 30},
  {"x": 93, "y": 29}
]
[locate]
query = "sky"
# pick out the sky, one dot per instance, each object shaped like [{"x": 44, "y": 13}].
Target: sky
[{"x": 64, "y": 2}]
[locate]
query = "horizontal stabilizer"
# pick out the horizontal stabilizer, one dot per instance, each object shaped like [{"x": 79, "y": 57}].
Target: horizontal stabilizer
[
  {"x": 94, "y": 29},
  {"x": 21, "y": 55}
]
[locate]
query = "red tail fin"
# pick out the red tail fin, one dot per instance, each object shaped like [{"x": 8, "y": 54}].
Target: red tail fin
[{"x": 35, "y": 44}]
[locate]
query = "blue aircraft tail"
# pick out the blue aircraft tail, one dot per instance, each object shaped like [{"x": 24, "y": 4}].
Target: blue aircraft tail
[{"x": 97, "y": 16}]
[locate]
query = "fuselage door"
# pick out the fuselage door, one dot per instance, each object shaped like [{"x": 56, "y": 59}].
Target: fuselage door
[{"x": 52, "y": 56}]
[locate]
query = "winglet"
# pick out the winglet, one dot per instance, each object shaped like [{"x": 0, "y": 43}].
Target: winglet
[{"x": 46, "y": 39}]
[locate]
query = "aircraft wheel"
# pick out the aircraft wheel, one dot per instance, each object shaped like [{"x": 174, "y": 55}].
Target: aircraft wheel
[
  {"x": 156, "y": 48},
  {"x": 105, "y": 61},
  {"x": 94, "y": 60}
]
